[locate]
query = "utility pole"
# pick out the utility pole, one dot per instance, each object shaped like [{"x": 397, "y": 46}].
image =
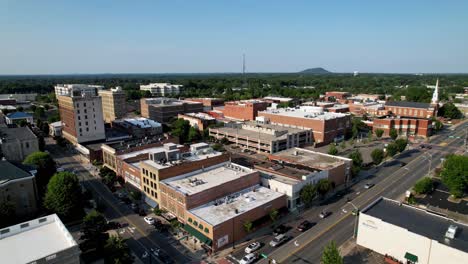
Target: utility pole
[{"x": 355, "y": 221}]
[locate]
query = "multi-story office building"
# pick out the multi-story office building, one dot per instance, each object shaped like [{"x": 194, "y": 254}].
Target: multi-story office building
[
  {"x": 42, "y": 240},
  {"x": 199, "y": 121},
  {"x": 326, "y": 127},
  {"x": 80, "y": 109},
  {"x": 406, "y": 234},
  {"x": 18, "y": 187},
  {"x": 113, "y": 104},
  {"x": 262, "y": 136},
  {"x": 208, "y": 103},
  {"x": 17, "y": 143},
  {"x": 244, "y": 110},
  {"x": 214, "y": 202},
  {"x": 164, "y": 110},
  {"x": 138, "y": 127},
  {"x": 162, "y": 89}
]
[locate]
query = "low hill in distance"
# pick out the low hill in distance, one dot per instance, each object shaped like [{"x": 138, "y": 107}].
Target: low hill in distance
[{"x": 315, "y": 71}]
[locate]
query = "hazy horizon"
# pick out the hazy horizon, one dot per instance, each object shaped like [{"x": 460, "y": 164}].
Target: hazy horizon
[{"x": 148, "y": 37}]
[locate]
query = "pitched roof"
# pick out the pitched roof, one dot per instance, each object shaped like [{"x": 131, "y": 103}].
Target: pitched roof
[
  {"x": 19, "y": 115},
  {"x": 20, "y": 133},
  {"x": 9, "y": 172},
  {"x": 408, "y": 104}
]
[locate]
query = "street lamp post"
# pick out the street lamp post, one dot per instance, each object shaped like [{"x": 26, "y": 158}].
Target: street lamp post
[
  {"x": 430, "y": 164},
  {"x": 355, "y": 221}
]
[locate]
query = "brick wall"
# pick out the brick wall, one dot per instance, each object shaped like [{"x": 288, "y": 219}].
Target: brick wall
[
  {"x": 416, "y": 127},
  {"x": 243, "y": 111}
]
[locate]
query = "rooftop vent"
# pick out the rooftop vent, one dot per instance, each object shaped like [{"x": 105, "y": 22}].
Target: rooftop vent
[{"x": 451, "y": 232}]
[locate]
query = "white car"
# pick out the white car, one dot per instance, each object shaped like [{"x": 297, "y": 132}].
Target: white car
[
  {"x": 252, "y": 247},
  {"x": 249, "y": 258},
  {"x": 149, "y": 220},
  {"x": 278, "y": 240}
]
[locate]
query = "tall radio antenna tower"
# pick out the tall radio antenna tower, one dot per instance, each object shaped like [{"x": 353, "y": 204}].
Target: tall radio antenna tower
[{"x": 243, "y": 70}]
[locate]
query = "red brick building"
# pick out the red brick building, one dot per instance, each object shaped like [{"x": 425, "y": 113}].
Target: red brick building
[
  {"x": 208, "y": 102},
  {"x": 244, "y": 110},
  {"x": 410, "y": 109},
  {"x": 338, "y": 96},
  {"x": 326, "y": 127},
  {"x": 410, "y": 127},
  {"x": 199, "y": 121}
]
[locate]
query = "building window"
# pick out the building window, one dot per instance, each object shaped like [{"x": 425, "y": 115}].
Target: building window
[
  {"x": 81, "y": 130},
  {"x": 85, "y": 117},
  {"x": 84, "y": 105},
  {"x": 190, "y": 220},
  {"x": 79, "y": 118},
  {"x": 206, "y": 230},
  {"x": 87, "y": 129},
  {"x": 195, "y": 223},
  {"x": 78, "y": 111},
  {"x": 86, "y": 122},
  {"x": 200, "y": 226}
]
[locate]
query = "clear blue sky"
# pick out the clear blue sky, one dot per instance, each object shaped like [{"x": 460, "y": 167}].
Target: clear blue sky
[{"x": 100, "y": 36}]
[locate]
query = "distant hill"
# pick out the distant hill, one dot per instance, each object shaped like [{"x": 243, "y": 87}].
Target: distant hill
[{"x": 315, "y": 71}]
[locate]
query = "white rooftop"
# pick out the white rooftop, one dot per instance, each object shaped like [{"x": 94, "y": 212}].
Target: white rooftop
[
  {"x": 278, "y": 98},
  {"x": 36, "y": 239},
  {"x": 203, "y": 116},
  {"x": 187, "y": 156},
  {"x": 200, "y": 180},
  {"x": 304, "y": 112},
  {"x": 142, "y": 122},
  {"x": 223, "y": 209},
  {"x": 139, "y": 152}
]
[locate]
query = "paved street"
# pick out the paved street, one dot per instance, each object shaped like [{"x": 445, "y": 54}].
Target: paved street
[
  {"x": 141, "y": 236},
  {"x": 339, "y": 226}
]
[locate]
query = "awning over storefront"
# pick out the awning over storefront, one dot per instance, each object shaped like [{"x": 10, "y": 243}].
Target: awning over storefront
[
  {"x": 411, "y": 257},
  {"x": 198, "y": 235}
]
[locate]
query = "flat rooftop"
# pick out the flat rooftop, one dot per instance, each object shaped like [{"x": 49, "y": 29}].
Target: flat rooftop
[
  {"x": 29, "y": 241},
  {"x": 201, "y": 180},
  {"x": 419, "y": 221},
  {"x": 185, "y": 157},
  {"x": 301, "y": 112},
  {"x": 202, "y": 116},
  {"x": 264, "y": 132},
  {"x": 226, "y": 208},
  {"x": 310, "y": 158}
]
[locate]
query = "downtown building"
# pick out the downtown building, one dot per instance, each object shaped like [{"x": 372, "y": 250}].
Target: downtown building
[
  {"x": 200, "y": 121},
  {"x": 80, "y": 108},
  {"x": 244, "y": 110},
  {"x": 163, "y": 110},
  {"x": 326, "y": 127},
  {"x": 113, "y": 104},
  {"x": 162, "y": 89}
]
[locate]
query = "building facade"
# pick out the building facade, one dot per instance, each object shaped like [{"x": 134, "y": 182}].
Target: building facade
[
  {"x": 411, "y": 235},
  {"x": 113, "y": 104},
  {"x": 17, "y": 143},
  {"x": 138, "y": 127},
  {"x": 81, "y": 114},
  {"x": 162, "y": 89},
  {"x": 409, "y": 127},
  {"x": 244, "y": 110},
  {"x": 163, "y": 110},
  {"x": 326, "y": 127},
  {"x": 410, "y": 109},
  {"x": 262, "y": 136},
  {"x": 18, "y": 188},
  {"x": 200, "y": 121}
]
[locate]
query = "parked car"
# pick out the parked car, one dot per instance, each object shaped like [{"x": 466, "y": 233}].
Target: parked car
[
  {"x": 304, "y": 226},
  {"x": 281, "y": 229},
  {"x": 402, "y": 164},
  {"x": 252, "y": 247},
  {"x": 278, "y": 240},
  {"x": 149, "y": 220},
  {"x": 324, "y": 214},
  {"x": 369, "y": 185},
  {"x": 142, "y": 212},
  {"x": 249, "y": 258}
]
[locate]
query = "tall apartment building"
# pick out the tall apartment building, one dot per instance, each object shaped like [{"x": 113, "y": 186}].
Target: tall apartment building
[
  {"x": 66, "y": 89},
  {"x": 80, "y": 109},
  {"x": 244, "y": 110},
  {"x": 326, "y": 126},
  {"x": 164, "y": 109},
  {"x": 162, "y": 89},
  {"x": 113, "y": 104}
]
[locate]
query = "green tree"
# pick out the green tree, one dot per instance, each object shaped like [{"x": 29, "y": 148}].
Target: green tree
[
  {"x": 356, "y": 157},
  {"x": 116, "y": 251},
  {"x": 449, "y": 110},
  {"x": 274, "y": 215},
  {"x": 39, "y": 112},
  {"x": 343, "y": 144},
  {"x": 331, "y": 255},
  {"x": 401, "y": 144},
  {"x": 332, "y": 150},
  {"x": 7, "y": 213},
  {"x": 248, "y": 226},
  {"x": 454, "y": 174},
  {"x": 23, "y": 123},
  {"x": 379, "y": 132},
  {"x": 180, "y": 128},
  {"x": 93, "y": 231},
  {"x": 193, "y": 134},
  {"x": 438, "y": 125},
  {"x": 424, "y": 185},
  {"x": 324, "y": 186},
  {"x": 45, "y": 167},
  {"x": 393, "y": 133},
  {"x": 392, "y": 149},
  {"x": 64, "y": 196},
  {"x": 377, "y": 156},
  {"x": 308, "y": 194}
]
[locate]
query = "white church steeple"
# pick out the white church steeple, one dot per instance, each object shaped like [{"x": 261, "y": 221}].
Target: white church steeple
[{"x": 435, "y": 95}]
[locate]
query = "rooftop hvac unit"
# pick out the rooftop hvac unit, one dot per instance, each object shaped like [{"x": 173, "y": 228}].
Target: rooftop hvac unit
[{"x": 451, "y": 232}]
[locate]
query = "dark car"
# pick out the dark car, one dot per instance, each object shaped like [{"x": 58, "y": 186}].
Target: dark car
[
  {"x": 281, "y": 229},
  {"x": 304, "y": 226},
  {"x": 402, "y": 164},
  {"x": 324, "y": 214}
]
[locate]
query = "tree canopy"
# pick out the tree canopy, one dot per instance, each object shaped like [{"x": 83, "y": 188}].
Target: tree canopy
[
  {"x": 308, "y": 194},
  {"x": 64, "y": 196},
  {"x": 393, "y": 133},
  {"x": 392, "y": 149},
  {"x": 377, "y": 156},
  {"x": 93, "y": 230},
  {"x": 401, "y": 144},
  {"x": 449, "y": 110},
  {"x": 332, "y": 150},
  {"x": 454, "y": 174},
  {"x": 117, "y": 251},
  {"x": 424, "y": 185},
  {"x": 379, "y": 132},
  {"x": 331, "y": 255},
  {"x": 45, "y": 167}
]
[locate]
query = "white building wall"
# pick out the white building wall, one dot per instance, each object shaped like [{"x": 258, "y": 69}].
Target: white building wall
[
  {"x": 89, "y": 119},
  {"x": 441, "y": 253}
]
